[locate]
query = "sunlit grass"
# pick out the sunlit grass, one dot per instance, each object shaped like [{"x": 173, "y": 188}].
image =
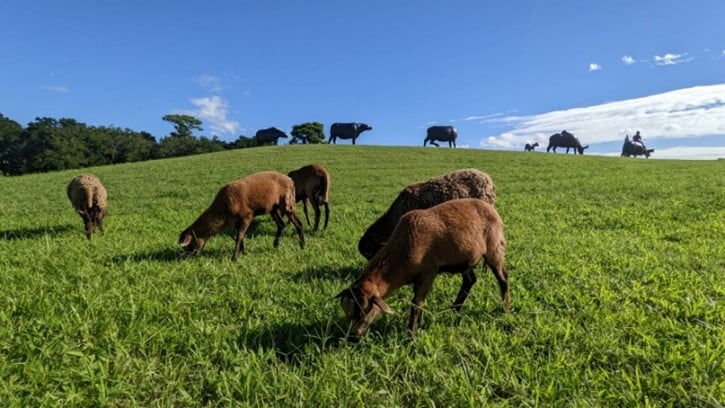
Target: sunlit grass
[{"x": 616, "y": 272}]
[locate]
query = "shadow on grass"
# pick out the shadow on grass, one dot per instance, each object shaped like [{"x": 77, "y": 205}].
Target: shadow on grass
[
  {"x": 295, "y": 343},
  {"x": 162, "y": 254},
  {"x": 31, "y": 233},
  {"x": 316, "y": 273}
]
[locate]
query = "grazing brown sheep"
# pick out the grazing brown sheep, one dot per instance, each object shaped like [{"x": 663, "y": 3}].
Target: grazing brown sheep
[
  {"x": 449, "y": 237},
  {"x": 89, "y": 198},
  {"x": 466, "y": 183},
  {"x": 312, "y": 182},
  {"x": 266, "y": 192}
]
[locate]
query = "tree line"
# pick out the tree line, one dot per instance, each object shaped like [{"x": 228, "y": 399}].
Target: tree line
[{"x": 48, "y": 144}]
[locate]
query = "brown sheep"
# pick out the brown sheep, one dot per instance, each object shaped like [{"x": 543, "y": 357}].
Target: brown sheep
[
  {"x": 266, "y": 192},
  {"x": 466, "y": 183},
  {"x": 449, "y": 237},
  {"x": 89, "y": 198},
  {"x": 312, "y": 182}
]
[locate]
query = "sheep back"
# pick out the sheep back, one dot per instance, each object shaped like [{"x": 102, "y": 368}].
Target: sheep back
[
  {"x": 237, "y": 202},
  {"x": 89, "y": 198},
  {"x": 449, "y": 237},
  {"x": 455, "y": 232},
  {"x": 311, "y": 182},
  {"x": 465, "y": 183}
]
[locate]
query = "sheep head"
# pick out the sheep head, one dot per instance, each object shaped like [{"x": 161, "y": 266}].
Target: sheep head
[
  {"x": 361, "y": 309},
  {"x": 190, "y": 243}
]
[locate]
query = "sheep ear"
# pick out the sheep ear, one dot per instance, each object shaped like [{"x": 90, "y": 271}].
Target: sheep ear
[
  {"x": 186, "y": 241},
  {"x": 377, "y": 300}
]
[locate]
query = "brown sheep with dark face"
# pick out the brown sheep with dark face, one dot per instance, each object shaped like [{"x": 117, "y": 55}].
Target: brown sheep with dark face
[
  {"x": 449, "y": 237},
  {"x": 466, "y": 183},
  {"x": 266, "y": 192}
]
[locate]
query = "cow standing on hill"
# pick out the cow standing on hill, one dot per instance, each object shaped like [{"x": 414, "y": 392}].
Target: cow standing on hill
[
  {"x": 441, "y": 134},
  {"x": 347, "y": 131},
  {"x": 565, "y": 139},
  {"x": 269, "y": 135}
]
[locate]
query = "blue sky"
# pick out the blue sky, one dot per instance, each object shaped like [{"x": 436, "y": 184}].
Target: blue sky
[{"x": 503, "y": 72}]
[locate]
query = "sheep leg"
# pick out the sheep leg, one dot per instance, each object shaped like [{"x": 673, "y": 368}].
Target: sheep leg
[
  {"x": 327, "y": 214},
  {"x": 277, "y": 217},
  {"x": 469, "y": 278},
  {"x": 316, "y": 207},
  {"x": 87, "y": 224},
  {"x": 420, "y": 290},
  {"x": 99, "y": 222},
  {"x": 242, "y": 226},
  {"x": 292, "y": 217},
  {"x": 496, "y": 265},
  {"x": 304, "y": 208}
]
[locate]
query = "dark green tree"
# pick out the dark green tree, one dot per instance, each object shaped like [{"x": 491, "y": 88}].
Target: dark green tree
[
  {"x": 183, "y": 124},
  {"x": 12, "y": 161},
  {"x": 243, "y": 142},
  {"x": 56, "y": 145},
  {"x": 181, "y": 142},
  {"x": 308, "y": 133}
]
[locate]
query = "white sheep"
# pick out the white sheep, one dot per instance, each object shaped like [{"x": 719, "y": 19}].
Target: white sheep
[{"x": 89, "y": 198}]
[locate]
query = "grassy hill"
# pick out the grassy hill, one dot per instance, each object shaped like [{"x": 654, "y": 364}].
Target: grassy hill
[{"x": 617, "y": 271}]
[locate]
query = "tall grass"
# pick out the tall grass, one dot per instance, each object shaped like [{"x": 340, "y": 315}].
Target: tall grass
[{"x": 617, "y": 269}]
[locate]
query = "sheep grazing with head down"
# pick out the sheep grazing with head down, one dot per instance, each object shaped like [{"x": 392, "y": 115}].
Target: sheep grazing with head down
[
  {"x": 312, "y": 182},
  {"x": 466, "y": 183},
  {"x": 89, "y": 198},
  {"x": 449, "y": 237},
  {"x": 266, "y": 192}
]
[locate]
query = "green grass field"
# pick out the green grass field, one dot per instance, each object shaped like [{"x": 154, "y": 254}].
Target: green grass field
[{"x": 617, "y": 272}]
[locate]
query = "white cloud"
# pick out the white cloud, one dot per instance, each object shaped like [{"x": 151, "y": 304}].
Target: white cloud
[
  {"x": 57, "y": 88},
  {"x": 481, "y": 117},
  {"x": 628, "y": 60},
  {"x": 214, "y": 110},
  {"x": 593, "y": 66},
  {"x": 691, "y": 153},
  {"x": 691, "y": 112},
  {"x": 671, "y": 59},
  {"x": 211, "y": 83}
]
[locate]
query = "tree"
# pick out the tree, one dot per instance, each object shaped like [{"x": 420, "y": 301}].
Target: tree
[
  {"x": 11, "y": 147},
  {"x": 308, "y": 133},
  {"x": 181, "y": 142},
  {"x": 183, "y": 124},
  {"x": 56, "y": 145},
  {"x": 243, "y": 142}
]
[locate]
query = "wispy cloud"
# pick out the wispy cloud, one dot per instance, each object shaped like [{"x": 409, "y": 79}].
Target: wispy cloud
[
  {"x": 691, "y": 112},
  {"x": 214, "y": 110},
  {"x": 57, "y": 88},
  {"x": 691, "y": 153},
  {"x": 211, "y": 83},
  {"x": 593, "y": 66},
  {"x": 482, "y": 117},
  {"x": 628, "y": 60},
  {"x": 672, "y": 59}
]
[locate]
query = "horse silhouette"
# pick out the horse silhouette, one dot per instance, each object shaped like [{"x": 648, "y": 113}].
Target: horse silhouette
[{"x": 530, "y": 147}]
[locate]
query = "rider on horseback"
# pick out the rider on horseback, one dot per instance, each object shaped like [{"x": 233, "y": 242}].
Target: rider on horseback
[{"x": 637, "y": 138}]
